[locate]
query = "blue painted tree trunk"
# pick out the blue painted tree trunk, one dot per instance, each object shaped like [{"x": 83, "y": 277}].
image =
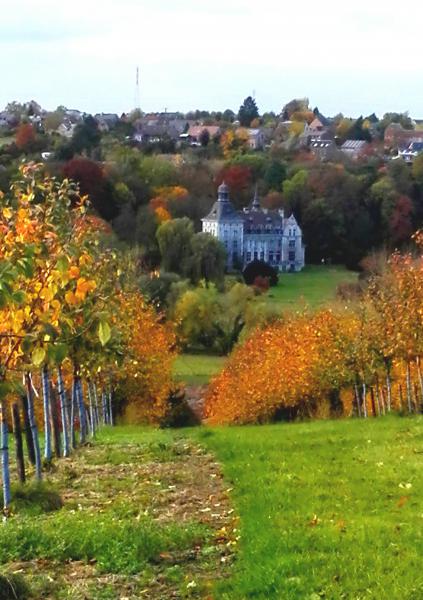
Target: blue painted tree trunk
[
  {"x": 91, "y": 405},
  {"x": 46, "y": 404},
  {"x": 110, "y": 408},
  {"x": 72, "y": 414},
  {"x": 104, "y": 407},
  {"x": 33, "y": 426},
  {"x": 81, "y": 409},
  {"x": 63, "y": 413},
  {"x": 5, "y": 473},
  {"x": 96, "y": 411}
]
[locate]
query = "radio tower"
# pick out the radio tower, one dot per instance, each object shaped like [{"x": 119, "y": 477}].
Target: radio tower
[{"x": 137, "y": 96}]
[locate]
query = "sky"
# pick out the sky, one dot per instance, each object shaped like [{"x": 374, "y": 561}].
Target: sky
[{"x": 354, "y": 57}]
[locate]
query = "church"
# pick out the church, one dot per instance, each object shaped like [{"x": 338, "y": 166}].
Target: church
[{"x": 255, "y": 234}]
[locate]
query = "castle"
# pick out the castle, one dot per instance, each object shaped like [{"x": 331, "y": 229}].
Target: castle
[{"x": 255, "y": 234}]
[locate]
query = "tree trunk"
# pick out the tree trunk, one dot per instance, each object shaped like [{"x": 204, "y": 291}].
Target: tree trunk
[
  {"x": 379, "y": 398},
  {"x": 33, "y": 426},
  {"x": 5, "y": 470},
  {"x": 46, "y": 405},
  {"x": 357, "y": 399},
  {"x": 103, "y": 406},
  {"x": 401, "y": 397},
  {"x": 420, "y": 375},
  {"x": 389, "y": 391},
  {"x": 81, "y": 409},
  {"x": 96, "y": 408},
  {"x": 28, "y": 434},
  {"x": 111, "y": 411},
  {"x": 55, "y": 422},
  {"x": 91, "y": 409},
  {"x": 17, "y": 432},
  {"x": 364, "y": 401},
  {"x": 63, "y": 412},
  {"x": 408, "y": 388},
  {"x": 72, "y": 414},
  {"x": 372, "y": 400}
]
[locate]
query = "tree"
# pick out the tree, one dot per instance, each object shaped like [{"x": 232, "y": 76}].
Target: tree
[
  {"x": 295, "y": 105},
  {"x": 259, "y": 268},
  {"x": 208, "y": 258},
  {"x": 93, "y": 181},
  {"x": 204, "y": 138},
  {"x": 25, "y": 136},
  {"x": 275, "y": 175},
  {"x": 86, "y": 136},
  {"x": 247, "y": 111},
  {"x": 174, "y": 238}
]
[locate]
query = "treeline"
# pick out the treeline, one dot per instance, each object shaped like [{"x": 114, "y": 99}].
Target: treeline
[{"x": 362, "y": 360}]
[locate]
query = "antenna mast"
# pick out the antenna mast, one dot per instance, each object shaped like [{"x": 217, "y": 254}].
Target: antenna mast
[{"x": 137, "y": 97}]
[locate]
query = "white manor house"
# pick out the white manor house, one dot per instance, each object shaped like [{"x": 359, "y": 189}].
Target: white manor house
[{"x": 255, "y": 234}]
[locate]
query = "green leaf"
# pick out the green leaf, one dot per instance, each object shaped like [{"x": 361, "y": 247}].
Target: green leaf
[
  {"x": 57, "y": 353},
  {"x": 104, "y": 332},
  {"x": 38, "y": 356},
  {"x": 62, "y": 264}
]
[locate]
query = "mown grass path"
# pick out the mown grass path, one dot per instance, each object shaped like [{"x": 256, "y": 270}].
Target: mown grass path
[
  {"x": 327, "y": 509},
  {"x": 145, "y": 515}
]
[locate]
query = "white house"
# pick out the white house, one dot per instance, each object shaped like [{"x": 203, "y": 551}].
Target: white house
[{"x": 255, "y": 234}]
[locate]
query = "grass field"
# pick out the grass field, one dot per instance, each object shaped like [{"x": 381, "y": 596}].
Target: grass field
[
  {"x": 196, "y": 369},
  {"x": 314, "y": 286},
  {"x": 328, "y": 509}
]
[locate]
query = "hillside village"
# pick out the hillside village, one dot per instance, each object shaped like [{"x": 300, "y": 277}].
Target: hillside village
[{"x": 353, "y": 185}]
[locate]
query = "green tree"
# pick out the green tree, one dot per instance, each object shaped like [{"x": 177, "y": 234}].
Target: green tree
[
  {"x": 248, "y": 111},
  {"x": 275, "y": 175},
  {"x": 174, "y": 238},
  {"x": 208, "y": 258}
]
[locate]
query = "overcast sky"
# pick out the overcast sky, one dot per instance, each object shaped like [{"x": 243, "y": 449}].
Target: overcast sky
[{"x": 350, "y": 56}]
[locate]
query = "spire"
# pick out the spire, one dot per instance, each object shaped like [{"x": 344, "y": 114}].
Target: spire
[
  {"x": 223, "y": 192},
  {"x": 256, "y": 201}
]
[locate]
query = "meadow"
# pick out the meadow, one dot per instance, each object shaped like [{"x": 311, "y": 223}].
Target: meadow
[{"x": 314, "y": 287}]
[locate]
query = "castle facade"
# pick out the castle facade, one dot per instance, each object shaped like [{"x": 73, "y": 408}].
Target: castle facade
[{"x": 255, "y": 234}]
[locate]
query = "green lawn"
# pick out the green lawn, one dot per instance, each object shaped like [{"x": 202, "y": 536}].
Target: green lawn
[
  {"x": 314, "y": 286},
  {"x": 327, "y": 509},
  {"x": 196, "y": 369}
]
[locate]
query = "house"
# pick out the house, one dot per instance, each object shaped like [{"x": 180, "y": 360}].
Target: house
[
  {"x": 193, "y": 135},
  {"x": 325, "y": 150},
  {"x": 255, "y": 234},
  {"x": 354, "y": 149},
  {"x": 106, "y": 121},
  {"x": 411, "y": 152},
  {"x": 397, "y": 137},
  {"x": 255, "y": 139},
  {"x": 154, "y": 130}
]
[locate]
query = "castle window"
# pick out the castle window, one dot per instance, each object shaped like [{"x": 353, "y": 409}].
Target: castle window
[
  {"x": 291, "y": 243},
  {"x": 262, "y": 255},
  {"x": 278, "y": 257},
  {"x": 291, "y": 256},
  {"x": 271, "y": 256},
  {"x": 248, "y": 256},
  {"x": 255, "y": 255}
]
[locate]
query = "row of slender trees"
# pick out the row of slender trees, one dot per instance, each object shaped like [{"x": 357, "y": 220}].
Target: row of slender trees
[
  {"x": 363, "y": 357},
  {"x": 68, "y": 305}
]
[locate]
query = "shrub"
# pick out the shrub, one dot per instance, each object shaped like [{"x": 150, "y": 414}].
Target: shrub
[{"x": 259, "y": 268}]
